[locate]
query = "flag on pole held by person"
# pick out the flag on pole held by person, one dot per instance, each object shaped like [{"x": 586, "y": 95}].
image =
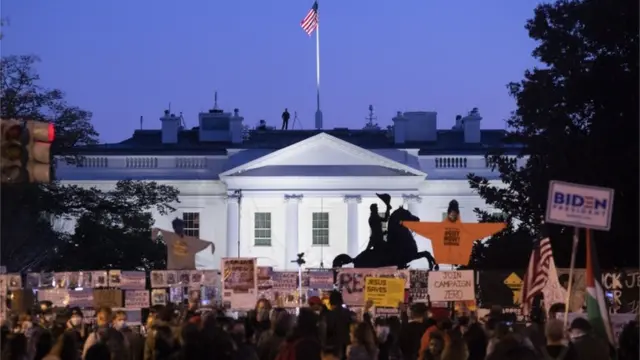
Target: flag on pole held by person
[
  {"x": 597, "y": 306},
  {"x": 541, "y": 277},
  {"x": 310, "y": 22}
]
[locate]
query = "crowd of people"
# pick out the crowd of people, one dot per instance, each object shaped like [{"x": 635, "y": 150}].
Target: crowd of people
[{"x": 317, "y": 332}]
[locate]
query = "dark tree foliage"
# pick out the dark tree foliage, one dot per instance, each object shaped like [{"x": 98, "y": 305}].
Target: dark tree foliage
[
  {"x": 113, "y": 227},
  {"x": 113, "y": 230},
  {"x": 577, "y": 119}
]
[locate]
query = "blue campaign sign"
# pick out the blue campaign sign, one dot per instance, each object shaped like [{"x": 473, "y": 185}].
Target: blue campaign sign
[{"x": 578, "y": 205}]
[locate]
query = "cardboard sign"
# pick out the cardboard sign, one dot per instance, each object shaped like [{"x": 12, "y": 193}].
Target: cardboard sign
[
  {"x": 451, "y": 285},
  {"x": 580, "y": 206},
  {"x": 107, "y": 298},
  {"x": 384, "y": 292}
]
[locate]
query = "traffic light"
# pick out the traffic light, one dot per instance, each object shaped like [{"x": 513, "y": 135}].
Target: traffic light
[
  {"x": 40, "y": 136},
  {"x": 12, "y": 151},
  {"x": 26, "y": 151}
]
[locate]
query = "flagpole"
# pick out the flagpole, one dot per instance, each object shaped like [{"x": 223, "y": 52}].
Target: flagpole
[
  {"x": 574, "y": 248},
  {"x": 318, "y": 66},
  {"x": 318, "y": 116}
]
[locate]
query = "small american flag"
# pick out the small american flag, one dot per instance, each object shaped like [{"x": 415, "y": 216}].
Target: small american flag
[
  {"x": 537, "y": 274},
  {"x": 310, "y": 22}
]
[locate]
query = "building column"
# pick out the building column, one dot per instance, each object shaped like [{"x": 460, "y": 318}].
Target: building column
[
  {"x": 352, "y": 223},
  {"x": 233, "y": 225},
  {"x": 291, "y": 230},
  {"x": 412, "y": 203}
]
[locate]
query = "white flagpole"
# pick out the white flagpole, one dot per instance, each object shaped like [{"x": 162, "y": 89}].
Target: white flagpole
[
  {"x": 318, "y": 66},
  {"x": 318, "y": 116}
]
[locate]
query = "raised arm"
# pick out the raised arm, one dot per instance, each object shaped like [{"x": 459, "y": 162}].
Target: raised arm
[{"x": 199, "y": 244}]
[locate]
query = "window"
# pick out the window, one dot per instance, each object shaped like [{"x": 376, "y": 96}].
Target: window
[
  {"x": 191, "y": 224},
  {"x": 320, "y": 228},
  {"x": 262, "y": 229},
  {"x": 385, "y": 224}
]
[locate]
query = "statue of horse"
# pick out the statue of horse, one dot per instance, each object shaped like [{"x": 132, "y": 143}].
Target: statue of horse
[{"x": 399, "y": 250}]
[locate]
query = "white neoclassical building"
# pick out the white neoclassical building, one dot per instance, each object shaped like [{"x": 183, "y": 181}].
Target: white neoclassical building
[{"x": 271, "y": 194}]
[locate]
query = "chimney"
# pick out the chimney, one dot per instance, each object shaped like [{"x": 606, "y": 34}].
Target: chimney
[
  {"x": 170, "y": 128},
  {"x": 458, "y": 125},
  {"x": 235, "y": 127},
  {"x": 471, "y": 125},
  {"x": 399, "y": 128}
]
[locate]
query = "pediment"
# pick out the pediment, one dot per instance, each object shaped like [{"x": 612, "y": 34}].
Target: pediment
[{"x": 322, "y": 151}]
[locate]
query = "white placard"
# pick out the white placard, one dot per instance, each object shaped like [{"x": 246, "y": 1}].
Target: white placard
[
  {"x": 580, "y": 206},
  {"x": 136, "y": 299},
  {"x": 451, "y": 285},
  {"x": 58, "y": 297}
]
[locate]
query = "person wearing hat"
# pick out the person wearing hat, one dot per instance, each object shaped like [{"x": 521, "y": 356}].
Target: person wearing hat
[
  {"x": 77, "y": 327},
  {"x": 586, "y": 344}
]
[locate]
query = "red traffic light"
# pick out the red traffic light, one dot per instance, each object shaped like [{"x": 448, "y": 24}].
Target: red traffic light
[{"x": 52, "y": 132}]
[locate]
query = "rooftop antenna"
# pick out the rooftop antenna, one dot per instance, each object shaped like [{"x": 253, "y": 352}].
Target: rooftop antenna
[
  {"x": 371, "y": 118},
  {"x": 141, "y": 121},
  {"x": 296, "y": 121},
  {"x": 215, "y": 100},
  {"x": 169, "y": 107}
]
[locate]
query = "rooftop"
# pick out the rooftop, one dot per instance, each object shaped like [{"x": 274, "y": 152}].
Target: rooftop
[{"x": 149, "y": 142}]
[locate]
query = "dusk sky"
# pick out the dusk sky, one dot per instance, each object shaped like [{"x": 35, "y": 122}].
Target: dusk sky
[{"x": 123, "y": 59}]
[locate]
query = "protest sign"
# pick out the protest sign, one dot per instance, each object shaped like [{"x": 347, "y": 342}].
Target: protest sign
[
  {"x": 351, "y": 282},
  {"x": 133, "y": 280},
  {"x": 107, "y": 298},
  {"x": 239, "y": 283},
  {"x": 81, "y": 298},
  {"x": 58, "y": 297},
  {"x": 451, "y": 285},
  {"x": 580, "y": 206},
  {"x": 384, "y": 292},
  {"x": 136, "y": 299},
  {"x": 321, "y": 279}
]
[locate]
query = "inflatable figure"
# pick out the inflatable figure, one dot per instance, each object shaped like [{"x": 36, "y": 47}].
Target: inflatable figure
[
  {"x": 452, "y": 239},
  {"x": 181, "y": 249},
  {"x": 398, "y": 250}
]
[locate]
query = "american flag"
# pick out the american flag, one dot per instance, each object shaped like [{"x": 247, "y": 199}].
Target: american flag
[
  {"x": 537, "y": 274},
  {"x": 310, "y": 22}
]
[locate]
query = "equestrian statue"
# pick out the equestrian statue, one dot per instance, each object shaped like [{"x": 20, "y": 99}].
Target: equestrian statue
[{"x": 398, "y": 250}]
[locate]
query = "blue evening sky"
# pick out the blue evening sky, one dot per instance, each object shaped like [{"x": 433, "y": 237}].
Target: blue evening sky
[{"x": 123, "y": 59}]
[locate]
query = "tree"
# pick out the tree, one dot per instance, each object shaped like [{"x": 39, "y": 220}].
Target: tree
[
  {"x": 113, "y": 230},
  {"x": 577, "y": 119},
  {"x": 31, "y": 239}
]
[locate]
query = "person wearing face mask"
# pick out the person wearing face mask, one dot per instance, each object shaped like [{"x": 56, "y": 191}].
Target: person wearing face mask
[
  {"x": 77, "y": 327},
  {"x": 106, "y": 334},
  {"x": 135, "y": 341}
]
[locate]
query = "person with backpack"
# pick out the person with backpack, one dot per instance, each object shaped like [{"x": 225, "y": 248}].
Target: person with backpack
[
  {"x": 304, "y": 342},
  {"x": 557, "y": 348}
]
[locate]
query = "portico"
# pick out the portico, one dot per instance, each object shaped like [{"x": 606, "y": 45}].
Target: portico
[{"x": 316, "y": 195}]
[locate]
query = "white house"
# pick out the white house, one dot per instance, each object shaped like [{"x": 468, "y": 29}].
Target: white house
[{"x": 272, "y": 194}]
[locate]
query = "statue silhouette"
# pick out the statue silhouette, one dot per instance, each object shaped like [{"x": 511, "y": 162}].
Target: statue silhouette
[{"x": 399, "y": 250}]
